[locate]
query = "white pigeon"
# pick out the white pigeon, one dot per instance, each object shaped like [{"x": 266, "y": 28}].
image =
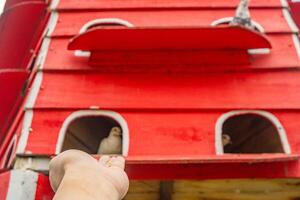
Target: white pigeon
[
  {"x": 113, "y": 143},
  {"x": 226, "y": 140},
  {"x": 242, "y": 15}
]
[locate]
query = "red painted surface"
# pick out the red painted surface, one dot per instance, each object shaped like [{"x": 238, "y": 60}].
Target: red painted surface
[
  {"x": 18, "y": 43},
  {"x": 4, "y": 183},
  {"x": 18, "y": 48},
  {"x": 99, "y": 39},
  {"x": 171, "y": 108},
  {"x": 137, "y": 91},
  {"x": 282, "y": 56},
  {"x": 11, "y": 84},
  {"x": 71, "y": 22},
  {"x": 43, "y": 189},
  {"x": 138, "y": 58},
  {"x": 295, "y": 11},
  {"x": 204, "y": 45},
  {"x": 146, "y": 4},
  {"x": 178, "y": 133}
]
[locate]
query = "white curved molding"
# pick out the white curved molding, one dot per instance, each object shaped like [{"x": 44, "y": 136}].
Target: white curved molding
[
  {"x": 272, "y": 118},
  {"x": 84, "y": 113},
  {"x": 225, "y": 20},
  {"x": 95, "y": 22}
]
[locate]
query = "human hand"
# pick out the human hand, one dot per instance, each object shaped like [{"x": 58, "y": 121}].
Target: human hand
[{"x": 105, "y": 175}]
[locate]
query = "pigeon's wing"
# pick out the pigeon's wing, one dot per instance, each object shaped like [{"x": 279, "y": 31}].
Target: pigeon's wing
[{"x": 103, "y": 147}]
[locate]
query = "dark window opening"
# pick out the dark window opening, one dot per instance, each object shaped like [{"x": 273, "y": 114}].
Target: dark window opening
[
  {"x": 87, "y": 133},
  {"x": 250, "y": 133},
  {"x": 106, "y": 25}
]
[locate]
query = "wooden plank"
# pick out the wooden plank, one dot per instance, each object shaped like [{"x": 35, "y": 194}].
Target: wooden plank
[
  {"x": 165, "y": 171},
  {"x": 249, "y": 90},
  {"x": 184, "y": 133},
  {"x": 226, "y": 158},
  {"x": 245, "y": 189},
  {"x": 166, "y": 190},
  {"x": 11, "y": 84},
  {"x": 237, "y": 189},
  {"x": 146, "y": 4},
  {"x": 19, "y": 43},
  {"x": 137, "y": 58},
  {"x": 70, "y": 23},
  {"x": 175, "y": 38},
  {"x": 283, "y": 55},
  {"x": 4, "y": 184}
]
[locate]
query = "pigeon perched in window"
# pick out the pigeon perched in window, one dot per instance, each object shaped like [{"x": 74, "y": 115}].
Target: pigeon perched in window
[
  {"x": 242, "y": 15},
  {"x": 113, "y": 143},
  {"x": 226, "y": 140}
]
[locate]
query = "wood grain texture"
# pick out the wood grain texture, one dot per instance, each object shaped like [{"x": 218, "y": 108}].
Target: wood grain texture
[
  {"x": 69, "y": 23},
  {"x": 245, "y": 189}
]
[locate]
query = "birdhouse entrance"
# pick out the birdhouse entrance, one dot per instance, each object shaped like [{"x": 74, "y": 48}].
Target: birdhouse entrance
[
  {"x": 251, "y": 133},
  {"x": 88, "y": 131}
]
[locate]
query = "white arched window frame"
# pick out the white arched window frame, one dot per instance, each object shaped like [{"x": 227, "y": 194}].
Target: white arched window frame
[
  {"x": 99, "y": 22},
  {"x": 272, "y": 118},
  {"x": 94, "y": 113}
]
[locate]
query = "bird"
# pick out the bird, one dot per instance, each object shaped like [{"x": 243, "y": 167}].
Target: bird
[
  {"x": 112, "y": 144},
  {"x": 242, "y": 15},
  {"x": 226, "y": 139}
]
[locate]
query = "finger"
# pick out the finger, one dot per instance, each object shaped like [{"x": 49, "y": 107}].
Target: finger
[
  {"x": 118, "y": 161},
  {"x": 104, "y": 160}
]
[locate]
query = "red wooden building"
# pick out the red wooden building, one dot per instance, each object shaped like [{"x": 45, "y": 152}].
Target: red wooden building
[{"x": 173, "y": 75}]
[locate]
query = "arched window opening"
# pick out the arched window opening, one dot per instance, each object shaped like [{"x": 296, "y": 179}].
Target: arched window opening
[
  {"x": 250, "y": 133},
  {"x": 86, "y": 130},
  {"x": 253, "y": 132},
  {"x": 86, "y": 134}
]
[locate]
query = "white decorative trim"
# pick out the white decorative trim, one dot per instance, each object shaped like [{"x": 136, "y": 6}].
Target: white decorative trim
[
  {"x": 295, "y": 1},
  {"x": 267, "y": 115},
  {"x": 52, "y": 23},
  {"x": 259, "y": 51},
  {"x": 54, "y": 4},
  {"x": 83, "y": 113},
  {"x": 40, "y": 60},
  {"x": 284, "y": 3},
  {"x": 26, "y": 128},
  {"x": 34, "y": 90},
  {"x": 100, "y": 21},
  {"x": 290, "y": 20},
  {"x": 22, "y": 185},
  {"x": 296, "y": 41},
  {"x": 259, "y": 27}
]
